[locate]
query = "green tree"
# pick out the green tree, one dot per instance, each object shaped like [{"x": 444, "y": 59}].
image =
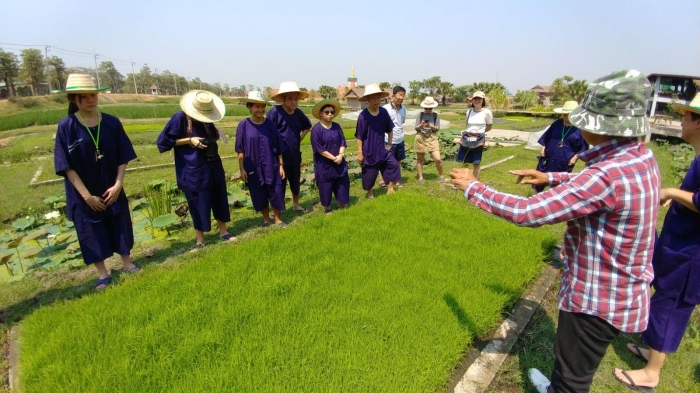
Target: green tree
[
  {"x": 560, "y": 89},
  {"x": 577, "y": 90},
  {"x": 145, "y": 79},
  {"x": 498, "y": 99},
  {"x": 328, "y": 91},
  {"x": 9, "y": 70},
  {"x": 109, "y": 76},
  {"x": 57, "y": 69},
  {"x": 461, "y": 93},
  {"x": 385, "y": 85},
  {"x": 432, "y": 85},
  {"x": 446, "y": 89},
  {"x": 33, "y": 67},
  {"x": 488, "y": 87},
  {"x": 415, "y": 88},
  {"x": 525, "y": 98}
]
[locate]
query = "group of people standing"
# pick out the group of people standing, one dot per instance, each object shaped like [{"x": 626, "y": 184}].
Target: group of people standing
[{"x": 611, "y": 255}]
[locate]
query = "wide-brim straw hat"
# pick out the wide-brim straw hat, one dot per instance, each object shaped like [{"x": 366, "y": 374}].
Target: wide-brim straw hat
[
  {"x": 289, "y": 87},
  {"x": 429, "y": 102},
  {"x": 568, "y": 107},
  {"x": 615, "y": 105},
  {"x": 694, "y": 106},
  {"x": 478, "y": 93},
  {"x": 373, "y": 89},
  {"x": 81, "y": 84},
  {"x": 203, "y": 106},
  {"x": 316, "y": 112},
  {"x": 254, "y": 97}
]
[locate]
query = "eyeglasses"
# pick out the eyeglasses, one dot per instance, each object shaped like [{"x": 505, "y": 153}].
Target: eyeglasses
[{"x": 329, "y": 112}]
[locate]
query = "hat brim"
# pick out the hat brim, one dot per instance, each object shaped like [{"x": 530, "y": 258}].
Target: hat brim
[
  {"x": 252, "y": 101},
  {"x": 316, "y": 111},
  {"x": 82, "y": 90},
  {"x": 435, "y": 104},
  {"x": 685, "y": 108},
  {"x": 563, "y": 111},
  {"x": 596, "y": 123},
  {"x": 365, "y": 97},
  {"x": 278, "y": 97},
  {"x": 215, "y": 115}
]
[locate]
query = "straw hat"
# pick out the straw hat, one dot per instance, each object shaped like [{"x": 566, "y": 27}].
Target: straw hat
[
  {"x": 429, "y": 102},
  {"x": 693, "y": 107},
  {"x": 203, "y": 106},
  {"x": 568, "y": 107},
  {"x": 478, "y": 93},
  {"x": 373, "y": 89},
  {"x": 289, "y": 87},
  {"x": 255, "y": 97},
  {"x": 316, "y": 112},
  {"x": 615, "y": 105},
  {"x": 80, "y": 84}
]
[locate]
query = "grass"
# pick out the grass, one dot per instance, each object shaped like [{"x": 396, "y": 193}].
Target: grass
[{"x": 342, "y": 313}]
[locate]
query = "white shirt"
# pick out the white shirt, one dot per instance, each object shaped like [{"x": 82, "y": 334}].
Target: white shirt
[
  {"x": 398, "y": 117},
  {"x": 477, "y": 121}
]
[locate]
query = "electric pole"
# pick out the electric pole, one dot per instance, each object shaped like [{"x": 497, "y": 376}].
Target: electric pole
[
  {"x": 157, "y": 89},
  {"x": 133, "y": 74},
  {"x": 48, "y": 72},
  {"x": 97, "y": 75}
]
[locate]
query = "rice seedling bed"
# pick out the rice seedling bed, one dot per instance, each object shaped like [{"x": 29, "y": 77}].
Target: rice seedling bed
[{"x": 384, "y": 296}]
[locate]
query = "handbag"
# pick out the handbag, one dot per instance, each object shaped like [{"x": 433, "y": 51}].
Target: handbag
[{"x": 473, "y": 142}]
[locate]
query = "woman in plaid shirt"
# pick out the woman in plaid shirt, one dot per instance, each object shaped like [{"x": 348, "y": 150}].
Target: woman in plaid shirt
[{"x": 610, "y": 209}]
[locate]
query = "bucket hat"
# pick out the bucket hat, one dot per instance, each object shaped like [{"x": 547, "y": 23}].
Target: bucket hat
[
  {"x": 255, "y": 97},
  {"x": 429, "y": 102},
  {"x": 568, "y": 107},
  {"x": 203, "y": 106},
  {"x": 615, "y": 105}
]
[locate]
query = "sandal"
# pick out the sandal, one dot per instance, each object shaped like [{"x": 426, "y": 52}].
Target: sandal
[
  {"x": 228, "y": 238},
  {"x": 382, "y": 184},
  {"x": 265, "y": 225},
  {"x": 197, "y": 246},
  {"x": 134, "y": 269},
  {"x": 442, "y": 179},
  {"x": 282, "y": 225},
  {"x": 302, "y": 210},
  {"x": 632, "y": 385},
  {"x": 421, "y": 181},
  {"x": 636, "y": 351},
  {"x": 103, "y": 281}
]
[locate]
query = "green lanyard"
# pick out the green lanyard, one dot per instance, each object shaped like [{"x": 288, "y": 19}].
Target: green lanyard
[
  {"x": 564, "y": 132},
  {"x": 98, "y": 155}
]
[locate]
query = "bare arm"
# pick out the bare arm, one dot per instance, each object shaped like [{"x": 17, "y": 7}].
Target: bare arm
[
  {"x": 244, "y": 174},
  {"x": 303, "y": 134},
  {"x": 685, "y": 198},
  {"x": 360, "y": 156},
  {"x": 194, "y": 141},
  {"x": 94, "y": 202}
]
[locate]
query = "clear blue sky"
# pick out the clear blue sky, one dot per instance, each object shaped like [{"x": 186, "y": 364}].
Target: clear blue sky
[{"x": 517, "y": 43}]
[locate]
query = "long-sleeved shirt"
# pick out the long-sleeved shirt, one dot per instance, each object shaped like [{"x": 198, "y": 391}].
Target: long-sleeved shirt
[{"x": 610, "y": 209}]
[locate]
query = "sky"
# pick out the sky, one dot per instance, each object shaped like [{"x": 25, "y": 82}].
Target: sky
[{"x": 517, "y": 43}]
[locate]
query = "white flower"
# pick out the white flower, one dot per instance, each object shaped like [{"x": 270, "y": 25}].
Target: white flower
[
  {"x": 51, "y": 215},
  {"x": 51, "y": 236}
]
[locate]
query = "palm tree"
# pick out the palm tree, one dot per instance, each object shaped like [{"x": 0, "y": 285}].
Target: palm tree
[
  {"x": 446, "y": 89},
  {"x": 577, "y": 90}
]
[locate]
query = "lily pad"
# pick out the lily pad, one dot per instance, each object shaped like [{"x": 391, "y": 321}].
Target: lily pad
[
  {"x": 156, "y": 183},
  {"x": 36, "y": 234},
  {"x": 5, "y": 258},
  {"x": 69, "y": 224},
  {"x": 31, "y": 252},
  {"x": 51, "y": 200},
  {"x": 16, "y": 242},
  {"x": 22, "y": 223},
  {"x": 15, "y": 278},
  {"x": 165, "y": 220},
  {"x": 62, "y": 238}
]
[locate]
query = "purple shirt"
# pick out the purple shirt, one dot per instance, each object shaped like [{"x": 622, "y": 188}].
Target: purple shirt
[
  {"x": 573, "y": 143},
  {"x": 330, "y": 140},
  {"x": 289, "y": 128},
  {"x": 75, "y": 149},
  {"x": 371, "y": 130},
  {"x": 193, "y": 173},
  {"x": 677, "y": 254},
  {"x": 260, "y": 145}
]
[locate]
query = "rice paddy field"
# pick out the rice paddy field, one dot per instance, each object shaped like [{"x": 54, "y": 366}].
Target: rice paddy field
[{"x": 384, "y": 296}]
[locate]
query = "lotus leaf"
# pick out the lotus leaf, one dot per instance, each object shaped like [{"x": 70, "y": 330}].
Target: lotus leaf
[
  {"x": 16, "y": 278},
  {"x": 51, "y": 200},
  {"x": 60, "y": 205},
  {"x": 165, "y": 220},
  {"x": 5, "y": 258},
  {"x": 62, "y": 238},
  {"x": 72, "y": 248},
  {"x": 22, "y": 224},
  {"x": 69, "y": 224},
  {"x": 53, "y": 229},
  {"x": 156, "y": 183},
  {"x": 16, "y": 242},
  {"x": 31, "y": 252},
  {"x": 36, "y": 234}
]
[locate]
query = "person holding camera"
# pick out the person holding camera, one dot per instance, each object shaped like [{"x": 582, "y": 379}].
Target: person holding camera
[
  {"x": 427, "y": 125},
  {"x": 200, "y": 175}
]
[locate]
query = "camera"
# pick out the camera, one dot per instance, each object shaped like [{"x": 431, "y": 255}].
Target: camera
[{"x": 211, "y": 151}]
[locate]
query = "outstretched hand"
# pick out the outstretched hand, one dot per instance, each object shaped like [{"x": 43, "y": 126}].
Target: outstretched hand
[
  {"x": 533, "y": 177},
  {"x": 461, "y": 177}
]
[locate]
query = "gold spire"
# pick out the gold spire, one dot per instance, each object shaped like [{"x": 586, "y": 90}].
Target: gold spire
[{"x": 352, "y": 71}]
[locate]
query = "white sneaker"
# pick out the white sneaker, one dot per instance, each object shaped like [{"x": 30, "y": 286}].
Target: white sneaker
[{"x": 539, "y": 381}]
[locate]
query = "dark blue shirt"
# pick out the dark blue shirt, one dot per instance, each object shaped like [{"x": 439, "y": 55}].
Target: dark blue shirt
[
  {"x": 561, "y": 143},
  {"x": 290, "y": 128},
  {"x": 261, "y": 145},
  {"x": 330, "y": 140},
  {"x": 371, "y": 130}
]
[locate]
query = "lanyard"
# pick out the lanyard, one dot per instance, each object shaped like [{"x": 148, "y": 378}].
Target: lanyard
[{"x": 96, "y": 141}]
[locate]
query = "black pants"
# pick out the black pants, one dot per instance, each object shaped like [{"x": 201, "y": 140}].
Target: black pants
[{"x": 579, "y": 346}]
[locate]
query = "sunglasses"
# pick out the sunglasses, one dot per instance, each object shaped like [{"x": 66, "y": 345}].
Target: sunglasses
[{"x": 329, "y": 112}]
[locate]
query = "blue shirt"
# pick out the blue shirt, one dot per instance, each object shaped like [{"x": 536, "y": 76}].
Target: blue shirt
[
  {"x": 398, "y": 117},
  {"x": 371, "y": 131},
  {"x": 261, "y": 145},
  {"x": 290, "y": 128},
  {"x": 330, "y": 140}
]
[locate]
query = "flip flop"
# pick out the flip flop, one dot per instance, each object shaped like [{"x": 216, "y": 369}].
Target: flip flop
[
  {"x": 103, "y": 281},
  {"x": 282, "y": 225},
  {"x": 197, "y": 246},
  {"x": 632, "y": 385},
  {"x": 228, "y": 238},
  {"x": 382, "y": 184},
  {"x": 399, "y": 185},
  {"x": 302, "y": 210},
  {"x": 265, "y": 225},
  {"x": 442, "y": 179},
  {"x": 636, "y": 351},
  {"x": 421, "y": 181},
  {"x": 134, "y": 269}
]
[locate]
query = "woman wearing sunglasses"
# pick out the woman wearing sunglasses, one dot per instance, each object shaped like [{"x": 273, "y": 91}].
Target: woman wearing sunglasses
[{"x": 328, "y": 144}]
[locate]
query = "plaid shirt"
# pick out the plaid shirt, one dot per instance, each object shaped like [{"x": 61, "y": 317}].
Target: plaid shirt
[{"x": 610, "y": 210}]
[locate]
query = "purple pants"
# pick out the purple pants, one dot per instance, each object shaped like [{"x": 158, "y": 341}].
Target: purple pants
[
  {"x": 669, "y": 316},
  {"x": 100, "y": 240},
  {"x": 339, "y": 186},
  {"x": 390, "y": 169},
  {"x": 262, "y": 193},
  {"x": 203, "y": 203},
  {"x": 292, "y": 174}
]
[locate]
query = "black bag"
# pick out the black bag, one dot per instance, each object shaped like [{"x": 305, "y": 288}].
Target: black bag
[{"x": 473, "y": 141}]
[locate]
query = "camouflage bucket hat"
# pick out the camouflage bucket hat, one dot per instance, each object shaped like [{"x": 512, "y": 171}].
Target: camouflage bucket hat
[{"x": 615, "y": 105}]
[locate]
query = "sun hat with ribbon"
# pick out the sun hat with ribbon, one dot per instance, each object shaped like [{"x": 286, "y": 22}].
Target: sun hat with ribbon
[
  {"x": 615, "y": 105},
  {"x": 254, "y": 97},
  {"x": 316, "y": 112},
  {"x": 289, "y": 87},
  {"x": 371, "y": 90},
  {"x": 568, "y": 107},
  {"x": 81, "y": 84},
  {"x": 694, "y": 106},
  {"x": 429, "y": 102},
  {"x": 203, "y": 106}
]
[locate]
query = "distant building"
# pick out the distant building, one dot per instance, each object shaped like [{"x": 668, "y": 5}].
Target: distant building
[
  {"x": 670, "y": 88},
  {"x": 353, "y": 95},
  {"x": 544, "y": 95},
  {"x": 22, "y": 89},
  {"x": 154, "y": 90}
]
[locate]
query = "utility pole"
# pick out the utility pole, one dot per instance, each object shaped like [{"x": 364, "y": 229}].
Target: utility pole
[
  {"x": 97, "y": 74},
  {"x": 175, "y": 80},
  {"x": 157, "y": 89},
  {"x": 188, "y": 83},
  {"x": 48, "y": 72},
  {"x": 133, "y": 74}
]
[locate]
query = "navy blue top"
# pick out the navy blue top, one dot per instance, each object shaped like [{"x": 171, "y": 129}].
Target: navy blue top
[
  {"x": 193, "y": 173},
  {"x": 330, "y": 140},
  {"x": 371, "y": 130},
  {"x": 261, "y": 145},
  {"x": 75, "y": 149},
  {"x": 290, "y": 128},
  {"x": 677, "y": 251},
  {"x": 572, "y": 143}
]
